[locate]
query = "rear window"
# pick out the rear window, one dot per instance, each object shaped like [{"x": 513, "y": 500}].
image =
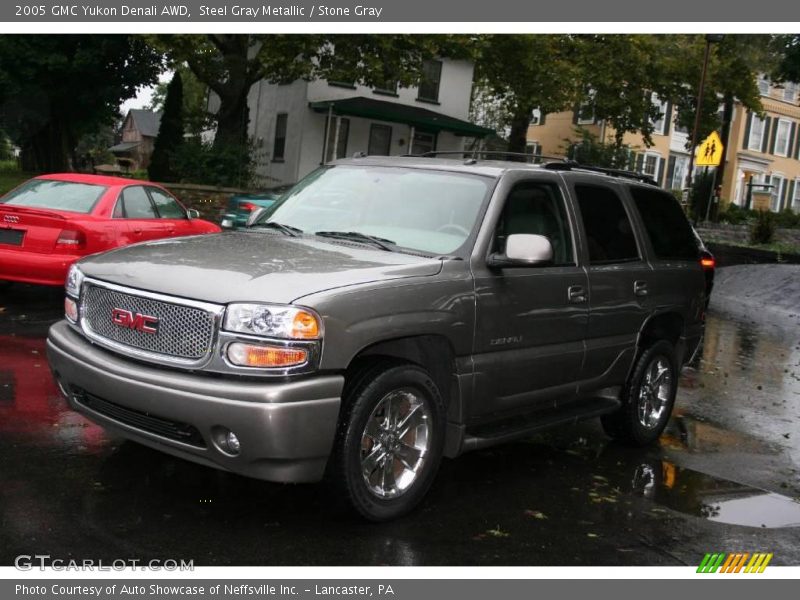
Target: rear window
[
  {"x": 669, "y": 231},
  {"x": 57, "y": 195}
]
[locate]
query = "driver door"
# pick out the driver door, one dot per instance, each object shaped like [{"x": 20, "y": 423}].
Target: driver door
[{"x": 531, "y": 321}]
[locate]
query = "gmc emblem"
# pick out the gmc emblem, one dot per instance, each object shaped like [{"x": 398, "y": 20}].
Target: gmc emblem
[
  {"x": 137, "y": 321},
  {"x": 11, "y": 219}
]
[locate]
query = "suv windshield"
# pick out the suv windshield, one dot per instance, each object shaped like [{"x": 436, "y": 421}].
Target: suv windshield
[
  {"x": 58, "y": 195},
  {"x": 422, "y": 210}
]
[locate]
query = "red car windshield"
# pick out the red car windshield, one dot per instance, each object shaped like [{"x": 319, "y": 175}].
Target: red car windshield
[{"x": 57, "y": 195}]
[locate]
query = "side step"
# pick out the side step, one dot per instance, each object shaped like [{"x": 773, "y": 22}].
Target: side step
[{"x": 524, "y": 426}]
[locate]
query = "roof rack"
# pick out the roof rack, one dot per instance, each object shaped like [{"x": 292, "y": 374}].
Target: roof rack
[
  {"x": 474, "y": 154},
  {"x": 570, "y": 165}
]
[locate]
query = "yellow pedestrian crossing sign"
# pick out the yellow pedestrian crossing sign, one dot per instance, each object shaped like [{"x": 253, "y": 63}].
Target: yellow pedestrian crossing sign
[{"x": 709, "y": 153}]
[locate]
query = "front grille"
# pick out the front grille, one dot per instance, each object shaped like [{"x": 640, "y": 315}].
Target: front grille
[
  {"x": 173, "y": 430},
  {"x": 183, "y": 332}
]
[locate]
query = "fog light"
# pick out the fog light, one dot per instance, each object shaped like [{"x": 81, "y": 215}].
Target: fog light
[
  {"x": 71, "y": 309},
  {"x": 251, "y": 355},
  {"x": 232, "y": 444}
]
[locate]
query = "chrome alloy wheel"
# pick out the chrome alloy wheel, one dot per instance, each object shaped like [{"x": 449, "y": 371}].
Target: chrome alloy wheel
[
  {"x": 395, "y": 441},
  {"x": 654, "y": 392}
]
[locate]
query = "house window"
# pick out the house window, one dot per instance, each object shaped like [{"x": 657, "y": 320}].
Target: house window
[
  {"x": 796, "y": 199},
  {"x": 533, "y": 148},
  {"x": 789, "y": 92},
  {"x": 650, "y": 165},
  {"x": 782, "y": 137},
  {"x": 756, "y": 133},
  {"x": 585, "y": 114},
  {"x": 679, "y": 173},
  {"x": 659, "y": 125},
  {"x": 778, "y": 190},
  {"x": 279, "y": 146},
  {"x": 380, "y": 140},
  {"x": 343, "y": 125},
  {"x": 387, "y": 87},
  {"x": 431, "y": 78},
  {"x": 536, "y": 117},
  {"x": 763, "y": 85},
  {"x": 423, "y": 142}
]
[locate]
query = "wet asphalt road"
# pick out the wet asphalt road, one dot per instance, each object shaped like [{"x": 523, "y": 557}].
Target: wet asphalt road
[{"x": 725, "y": 477}]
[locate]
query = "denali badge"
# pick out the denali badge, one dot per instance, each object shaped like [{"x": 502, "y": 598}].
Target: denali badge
[
  {"x": 11, "y": 219},
  {"x": 137, "y": 321}
]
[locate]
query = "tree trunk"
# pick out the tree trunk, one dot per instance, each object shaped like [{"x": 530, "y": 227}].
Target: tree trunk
[
  {"x": 518, "y": 138},
  {"x": 50, "y": 150},
  {"x": 233, "y": 118}
]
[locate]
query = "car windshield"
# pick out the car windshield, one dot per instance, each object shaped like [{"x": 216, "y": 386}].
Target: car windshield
[
  {"x": 422, "y": 210},
  {"x": 57, "y": 195}
]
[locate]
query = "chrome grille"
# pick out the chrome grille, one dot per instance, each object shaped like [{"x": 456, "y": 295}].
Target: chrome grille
[{"x": 184, "y": 332}]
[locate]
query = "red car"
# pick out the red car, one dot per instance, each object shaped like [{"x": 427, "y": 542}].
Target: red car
[{"x": 49, "y": 222}]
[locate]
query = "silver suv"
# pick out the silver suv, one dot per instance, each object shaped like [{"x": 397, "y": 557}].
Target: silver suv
[{"x": 386, "y": 313}]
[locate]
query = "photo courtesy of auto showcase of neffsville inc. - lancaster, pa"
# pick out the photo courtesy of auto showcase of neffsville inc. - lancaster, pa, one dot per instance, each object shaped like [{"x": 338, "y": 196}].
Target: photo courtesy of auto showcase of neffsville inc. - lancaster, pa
[{"x": 398, "y": 301}]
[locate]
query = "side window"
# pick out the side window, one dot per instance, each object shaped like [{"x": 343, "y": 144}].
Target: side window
[
  {"x": 538, "y": 208},
  {"x": 667, "y": 227},
  {"x": 609, "y": 232},
  {"x": 136, "y": 204},
  {"x": 167, "y": 206}
]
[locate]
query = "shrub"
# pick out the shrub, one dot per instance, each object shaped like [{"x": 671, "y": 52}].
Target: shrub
[
  {"x": 763, "y": 228},
  {"x": 787, "y": 218},
  {"x": 200, "y": 162},
  {"x": 735, "y": 215}
]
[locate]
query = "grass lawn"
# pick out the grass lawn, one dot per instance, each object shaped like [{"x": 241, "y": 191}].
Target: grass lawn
[{"x": 11, "y": 176}]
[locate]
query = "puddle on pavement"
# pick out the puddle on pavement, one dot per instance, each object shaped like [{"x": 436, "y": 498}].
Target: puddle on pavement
[{"x": 701, "y": 495}]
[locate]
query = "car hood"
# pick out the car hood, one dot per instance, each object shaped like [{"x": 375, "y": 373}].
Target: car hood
[{"x": 255, "y": 266}]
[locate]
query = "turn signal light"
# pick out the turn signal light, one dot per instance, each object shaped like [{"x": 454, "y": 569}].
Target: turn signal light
[
  {"x": 251, "y": 355},
  {"x": 71, "y": 309},
  {"x": 708, "y": 263},
  {"x": 305, "y": 326}
]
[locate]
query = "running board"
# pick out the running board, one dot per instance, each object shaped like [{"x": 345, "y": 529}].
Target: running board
[{"x": 524, "y": 426}]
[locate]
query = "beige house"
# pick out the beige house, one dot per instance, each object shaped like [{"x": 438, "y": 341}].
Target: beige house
[{"x": 762, "y": 155}]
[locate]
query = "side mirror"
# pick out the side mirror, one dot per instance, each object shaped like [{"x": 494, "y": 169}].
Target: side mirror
[
  {"x": 523, "y": 250},
  {"x": 192, "y": 213},
  {"x": 255, "y": 216}
]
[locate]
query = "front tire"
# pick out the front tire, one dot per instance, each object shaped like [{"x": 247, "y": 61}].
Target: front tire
[
  {"x": 647, "y": 398},
  {"x": 390, "y": 440}
]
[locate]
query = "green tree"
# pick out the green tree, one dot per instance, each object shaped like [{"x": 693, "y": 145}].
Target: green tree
[
  {"x": 56, "y": 88},
  {"x": 589, "y": 150},
  {"x": 170, "y": 133},
  {"x": 196, "y": 118},
  {"x": 787, "y": 47}
]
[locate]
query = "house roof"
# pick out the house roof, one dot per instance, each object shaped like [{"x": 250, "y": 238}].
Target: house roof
[
  {"x": 393, "y": 112},
  {"x": 124, "y": 146},
  {"x": 146, "y": 121}
]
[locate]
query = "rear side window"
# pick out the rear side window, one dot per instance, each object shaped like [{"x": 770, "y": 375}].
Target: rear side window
[
  {"x": 58, "y": 195},
  {"x": 168, "y": 207},
  {"x": 609, "y": 232},
  {"x": 669, "y": 231},
  {"x": 136, "y": 204}
]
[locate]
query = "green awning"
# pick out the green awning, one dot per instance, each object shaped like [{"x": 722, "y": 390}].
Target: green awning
[{"x": 420, "y": 118}]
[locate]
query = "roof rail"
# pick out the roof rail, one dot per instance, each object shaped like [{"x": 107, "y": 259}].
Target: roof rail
[
  {"x": 570, "y": 165},
  {"x": 474, "y": 154}
]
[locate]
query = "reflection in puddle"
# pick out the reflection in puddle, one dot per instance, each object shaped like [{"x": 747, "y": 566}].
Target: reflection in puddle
[{"x": 702, "y": 495}]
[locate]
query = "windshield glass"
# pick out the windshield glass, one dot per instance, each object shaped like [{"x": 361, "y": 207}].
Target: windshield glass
[
  {"x": 58, "y": 195},
  {"x": 426, "y": 211}
]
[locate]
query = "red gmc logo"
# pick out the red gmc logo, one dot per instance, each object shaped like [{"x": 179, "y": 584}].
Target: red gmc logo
[{"x": 137, "y": 321}]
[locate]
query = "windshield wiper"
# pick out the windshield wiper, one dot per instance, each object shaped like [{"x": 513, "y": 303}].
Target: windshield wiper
[
  {"x": 287, "y": 229},
  {"x": 357, "y": 236}
]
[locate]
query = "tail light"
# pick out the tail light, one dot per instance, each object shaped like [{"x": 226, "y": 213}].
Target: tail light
[
  {"x": 71, "y": 240},
  {"x": 708, "y": 262},
  {"x": 248, "y": 206}
]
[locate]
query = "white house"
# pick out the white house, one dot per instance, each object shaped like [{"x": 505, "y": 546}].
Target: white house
[{"x": 301, "y": 125}]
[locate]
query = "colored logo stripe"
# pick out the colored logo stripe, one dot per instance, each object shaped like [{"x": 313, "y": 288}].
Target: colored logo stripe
[{"x": 734, "y": 563}]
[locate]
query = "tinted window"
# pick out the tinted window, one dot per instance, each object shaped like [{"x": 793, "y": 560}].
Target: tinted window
[
  {"x": 609, "y": 232},
  {"x": 279, "y": 145},
  {"x": 537, "y": 208},
  {"x": 167, "y": 206},
  {"x": 58, "y": 195},
  {"x": 669, "y": 231},
  {"x": 136, "y": 204}
]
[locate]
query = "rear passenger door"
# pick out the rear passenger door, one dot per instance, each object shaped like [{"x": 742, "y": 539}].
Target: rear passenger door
[
  {"x": 136, "y": 208},
  {"x": 620, "y": 281},
  {"x": 531, "y": 321}
]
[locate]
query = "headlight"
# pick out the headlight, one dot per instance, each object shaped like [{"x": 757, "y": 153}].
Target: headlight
[
  {"x": 271, "y": 320},
  {"x": 74, "y": 281}
]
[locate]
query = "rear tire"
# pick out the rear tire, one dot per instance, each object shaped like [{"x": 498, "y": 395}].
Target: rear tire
[
  {"x": 390, "y": 440},
  {"x": 647, "y": 398}
]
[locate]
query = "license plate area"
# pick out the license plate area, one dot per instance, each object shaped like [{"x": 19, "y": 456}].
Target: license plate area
[{"x": 12, "y": 237}]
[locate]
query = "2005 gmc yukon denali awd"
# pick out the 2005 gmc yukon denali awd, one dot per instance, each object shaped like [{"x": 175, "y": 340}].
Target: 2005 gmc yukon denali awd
[{"x": 387, "y": 312}]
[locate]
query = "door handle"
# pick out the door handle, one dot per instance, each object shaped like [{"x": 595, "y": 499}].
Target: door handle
[
  {"x": 576, "y": 294},
  {"x": 640, "y": 288}
]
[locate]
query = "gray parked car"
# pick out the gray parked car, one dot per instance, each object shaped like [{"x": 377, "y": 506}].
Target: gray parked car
[{"x": 387, "y": 313}]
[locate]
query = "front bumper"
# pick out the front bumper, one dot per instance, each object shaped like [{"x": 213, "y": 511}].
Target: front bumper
[{"x": 286, "y": 429}]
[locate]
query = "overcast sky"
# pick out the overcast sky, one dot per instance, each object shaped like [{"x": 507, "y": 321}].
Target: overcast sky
[{"x": 144, "y": 96}]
